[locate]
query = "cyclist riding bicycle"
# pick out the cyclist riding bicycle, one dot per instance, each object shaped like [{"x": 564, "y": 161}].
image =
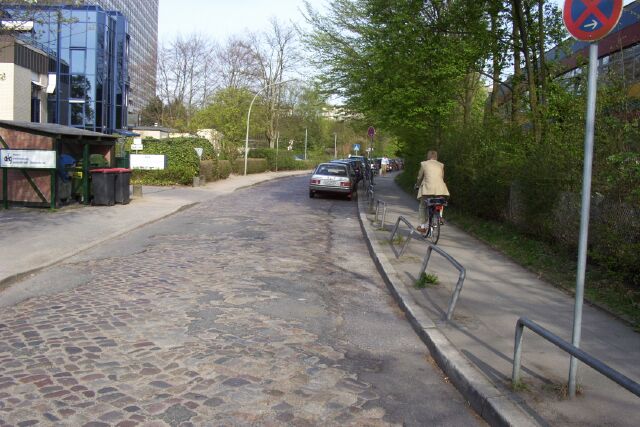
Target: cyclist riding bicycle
[{"x": 430, "y": 184}]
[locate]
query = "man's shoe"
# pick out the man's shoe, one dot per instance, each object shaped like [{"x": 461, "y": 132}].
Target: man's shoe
[{"x": 441, "y": 221}]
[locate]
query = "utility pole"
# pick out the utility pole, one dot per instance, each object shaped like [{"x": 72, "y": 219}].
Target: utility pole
[
  {"x": 305, "y": 143},
  {"x": 335, "y": 145}
]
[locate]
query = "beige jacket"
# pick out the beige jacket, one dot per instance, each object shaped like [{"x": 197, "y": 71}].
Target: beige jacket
[{"x": 431, "y": 179}]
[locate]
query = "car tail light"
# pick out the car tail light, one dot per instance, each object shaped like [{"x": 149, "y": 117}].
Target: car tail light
[
  {"x": 315, "y": 181},
  {"x": 345, "y": 184}
]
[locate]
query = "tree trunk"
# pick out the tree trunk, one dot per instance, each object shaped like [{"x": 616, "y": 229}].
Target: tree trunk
[
  {"x": 517, "y": 70},
  {"x": 531, "y": 74}
]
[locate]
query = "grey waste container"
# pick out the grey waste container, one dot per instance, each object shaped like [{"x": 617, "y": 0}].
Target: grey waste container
[
  {"x": 103, "y": 186},
  {"x": 123, "y": 179}
]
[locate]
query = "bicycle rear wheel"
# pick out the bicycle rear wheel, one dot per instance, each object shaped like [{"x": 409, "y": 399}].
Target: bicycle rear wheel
[{"x": 433, "y": 234}]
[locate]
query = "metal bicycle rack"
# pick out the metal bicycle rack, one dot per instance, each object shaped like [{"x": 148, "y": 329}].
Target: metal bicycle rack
[
  {"x": 431, "y": 247},
  {"x": 384, "y": 212},
  {"x": 579, "y": 354}
]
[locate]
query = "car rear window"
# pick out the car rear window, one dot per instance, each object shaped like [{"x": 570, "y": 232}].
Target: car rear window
[{"x": 332, "y": 170}]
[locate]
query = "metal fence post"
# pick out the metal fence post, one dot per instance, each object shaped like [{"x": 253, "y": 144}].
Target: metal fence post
[{"x": 517, "y": 354}]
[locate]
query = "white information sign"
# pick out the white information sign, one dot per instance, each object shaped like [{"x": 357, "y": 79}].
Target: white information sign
[
  {"x": 137, "y": 143},
  {"x": 199, "y": 151},
  {"x": 28, "y": 159},
  {"x": 147, "y": 161}
]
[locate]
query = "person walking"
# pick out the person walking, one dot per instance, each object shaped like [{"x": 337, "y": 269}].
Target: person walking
[
  {"x": 430, "y": 183},
  {"x": 384, "y": 165}
]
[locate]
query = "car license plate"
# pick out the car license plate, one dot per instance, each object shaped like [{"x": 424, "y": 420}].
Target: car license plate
[{"x": 330, "y": 182}]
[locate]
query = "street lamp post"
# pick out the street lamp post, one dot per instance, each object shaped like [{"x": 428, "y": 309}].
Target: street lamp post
[{"x": 246, "y": 141}]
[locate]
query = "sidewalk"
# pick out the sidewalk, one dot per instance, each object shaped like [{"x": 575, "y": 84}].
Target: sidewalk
[
  {"x": 32, "y": 239},
  {"x": 476, "y": 348}
]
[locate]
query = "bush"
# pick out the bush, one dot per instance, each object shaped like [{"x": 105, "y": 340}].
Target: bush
[
  {"x": 214, "y": 170},
  {"x": 182, "y": 160},
  {"x": 253, "y": 166}
]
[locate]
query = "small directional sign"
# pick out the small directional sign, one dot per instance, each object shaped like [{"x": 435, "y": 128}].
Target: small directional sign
[
  {"x": 590, "y": 20},
  {"x": 356, "y": 147}
]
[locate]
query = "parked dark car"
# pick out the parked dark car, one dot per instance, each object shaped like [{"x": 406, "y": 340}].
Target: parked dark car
[
  {"x": 356, "y": 165},
  {"x": 333, "y": 178}
]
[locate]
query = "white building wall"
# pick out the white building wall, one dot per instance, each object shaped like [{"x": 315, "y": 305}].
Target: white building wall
[
  {"x": 6, "y": 91},
  {"x": 15, "y": 93},
  {"x": 22, "y": 94}
]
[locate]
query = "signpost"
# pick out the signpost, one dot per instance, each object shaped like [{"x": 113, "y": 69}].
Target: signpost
[
  {"x": 371, "y": 132},
  {"x": 587, "y": 20},
  {"x": 137, "y": 144},
  {"x": 591, "y": 20},
  {"x": 356, "y": 148}
]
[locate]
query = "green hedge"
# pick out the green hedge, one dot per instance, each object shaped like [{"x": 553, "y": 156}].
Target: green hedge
[
  {"x": 182, "y": 160},
  {"x": 214, "y": 170},
  {"x": 284, "y": 161},
  {"x": 253, "y": 166}
]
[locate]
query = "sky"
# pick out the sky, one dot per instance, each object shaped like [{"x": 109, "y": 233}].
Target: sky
[{"x": 221, "y": 19}]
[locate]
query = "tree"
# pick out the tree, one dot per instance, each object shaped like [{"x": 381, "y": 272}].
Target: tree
[
  {"x": 227, "y": 113},
  {"x": 185, "y": 77},
  {"x": 275, "y": 54},
  {"x": 153, "y": 112}
]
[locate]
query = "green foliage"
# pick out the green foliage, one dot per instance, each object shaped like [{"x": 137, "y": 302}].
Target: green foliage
[
  {"x": 182, "y": 160},
  {"x": 426, "y": 279},
  {"x": 253, "y": 166},
  {"x": 282, "y": 160},
  {"x": 214, "y": 170}
]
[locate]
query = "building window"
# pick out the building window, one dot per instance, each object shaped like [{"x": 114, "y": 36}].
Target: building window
[
  {"x": 78, "y": 59},
  {"x": 77, "y": 114}
]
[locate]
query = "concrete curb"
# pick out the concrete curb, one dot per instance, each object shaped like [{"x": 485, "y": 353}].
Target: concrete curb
[{"x": 493, "y": 405}]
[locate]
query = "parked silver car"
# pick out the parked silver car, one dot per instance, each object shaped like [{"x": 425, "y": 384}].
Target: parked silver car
[{"x": 333, "y": 178}]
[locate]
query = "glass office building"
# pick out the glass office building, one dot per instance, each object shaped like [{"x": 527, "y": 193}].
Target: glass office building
[
  {"x": 142, "y": 16},
  {"x": 88, "y": 77}
]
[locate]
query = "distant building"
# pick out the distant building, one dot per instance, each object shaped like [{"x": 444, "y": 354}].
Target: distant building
[
  {"x": 24, "y": 80},
  {"x": 88, "y": 48},
  {"x": 142, "y": 16},
  {"x": 618, "y": 54},
  {"x": 156, "y": 132}
]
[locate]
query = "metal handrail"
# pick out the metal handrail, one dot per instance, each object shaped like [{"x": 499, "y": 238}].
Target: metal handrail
[
  {"x": 384, "y": 212},
  {"x": 579, "y": 354},
  {"x": 431, "y": 247}
]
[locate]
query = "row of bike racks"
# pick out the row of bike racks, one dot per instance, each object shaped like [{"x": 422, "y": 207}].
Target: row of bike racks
[
  {"x": 523, "y": 322},
  {"x": 381, "y": 207},
  {"x": 462, "y": 272}
]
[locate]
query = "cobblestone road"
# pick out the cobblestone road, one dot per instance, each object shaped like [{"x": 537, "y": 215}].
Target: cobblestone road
[{"x": 257, "y": 308}]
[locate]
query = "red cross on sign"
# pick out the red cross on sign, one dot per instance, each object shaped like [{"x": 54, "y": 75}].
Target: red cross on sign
[{"x": 590, "y": 20}]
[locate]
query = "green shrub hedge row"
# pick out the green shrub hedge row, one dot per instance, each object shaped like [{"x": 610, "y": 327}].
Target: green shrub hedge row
[{"x": 182, "y": 160}]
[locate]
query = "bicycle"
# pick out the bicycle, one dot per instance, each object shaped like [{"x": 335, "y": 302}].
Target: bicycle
[{"x": 434, "y": 208}]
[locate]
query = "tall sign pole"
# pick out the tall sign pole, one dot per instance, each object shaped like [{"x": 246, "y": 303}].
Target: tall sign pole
[
  {"x": 371, "y": 132},
  {"x": 587, "y": 20}
]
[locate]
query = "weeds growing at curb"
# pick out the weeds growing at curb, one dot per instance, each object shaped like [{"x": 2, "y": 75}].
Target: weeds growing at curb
[
  {"x": 426, "y": 280},
  {"x": 520, "y": 386}
]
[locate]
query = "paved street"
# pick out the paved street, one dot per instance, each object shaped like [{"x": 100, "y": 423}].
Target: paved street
[{"x": 259, "y": 307}]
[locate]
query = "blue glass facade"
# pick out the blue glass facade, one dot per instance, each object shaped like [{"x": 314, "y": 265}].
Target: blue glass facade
[{"x": 90, "y": 47}]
